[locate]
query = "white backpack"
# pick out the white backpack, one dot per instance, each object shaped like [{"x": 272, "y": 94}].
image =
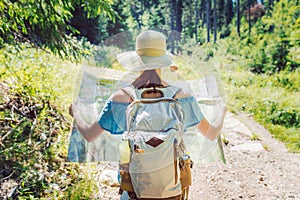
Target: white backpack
[{"x": 154, "y": 132}]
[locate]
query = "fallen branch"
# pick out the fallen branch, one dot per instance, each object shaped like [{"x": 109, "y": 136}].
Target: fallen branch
[
  {"x": 31, "y": 131},
  {"x": 10, "y": 131},
  {"x": 3, "y": 179}
]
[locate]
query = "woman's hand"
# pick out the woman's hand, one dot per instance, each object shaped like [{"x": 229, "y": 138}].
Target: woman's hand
[
  {"x": 212, "y": 128},
  {"x": 71, "y": 110},
  {"x": 89, "y": 132}
]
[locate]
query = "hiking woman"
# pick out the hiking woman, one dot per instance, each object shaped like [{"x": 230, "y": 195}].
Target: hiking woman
[{"x": 149, "y": 58}]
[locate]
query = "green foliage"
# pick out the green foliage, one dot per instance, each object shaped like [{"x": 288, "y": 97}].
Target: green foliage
[
  {"x": 44, "y": 24},
  {"x": 287, "y": 118},
  {"x": 84, "y": 188},
  {"x": 260, "y": 60},
  {"x": 36, "y": 89},
  {"x": 106, "y": 56},
  {"x": 273, "y": 43},
  {"x": 272, "y": 100},
  {"x": 271, "y": 51},
  {"x": 277, "y": 114}
]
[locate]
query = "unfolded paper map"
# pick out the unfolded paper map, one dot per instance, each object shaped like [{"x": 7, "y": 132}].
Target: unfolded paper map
[{"x": 95, "y": 87}]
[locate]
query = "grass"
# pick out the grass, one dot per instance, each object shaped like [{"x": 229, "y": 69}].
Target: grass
[
  {"x": 34, "y": 124},
  {"x": 273, "y": 100}
]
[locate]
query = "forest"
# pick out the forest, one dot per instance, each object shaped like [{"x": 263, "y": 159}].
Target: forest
[{"x": 43, "y": 43}]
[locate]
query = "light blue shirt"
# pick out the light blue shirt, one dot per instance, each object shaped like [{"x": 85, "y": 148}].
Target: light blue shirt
[{"x": 113, "y": 116}]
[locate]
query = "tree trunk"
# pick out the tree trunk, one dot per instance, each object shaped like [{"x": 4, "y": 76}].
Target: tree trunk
[
  {"x": 249, "y": 17},
  {"x": 179, "y": 8},
  {"x": 229, "y": 12},
  {"x": 208, "y": 19},
  {"x": 215, "y": 21},
  {"x": 203, "y": 12},
  {"x": 172, "y": 24},
  {"x": 238, "y": 18},
  {"x": 196, "y": 20},
  {"x": 172, "y": 15}
]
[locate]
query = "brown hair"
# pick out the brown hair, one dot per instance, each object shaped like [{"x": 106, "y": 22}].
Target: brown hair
[{"x": 148, "y": 79}]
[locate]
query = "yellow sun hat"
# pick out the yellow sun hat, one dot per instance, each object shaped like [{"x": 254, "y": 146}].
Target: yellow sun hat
[{"x": 150, "y": 53}]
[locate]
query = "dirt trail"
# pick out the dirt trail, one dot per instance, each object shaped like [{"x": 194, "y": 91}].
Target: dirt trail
[
  {"x": 255, "y": 169},
  {"x": 251, "y": 172}
]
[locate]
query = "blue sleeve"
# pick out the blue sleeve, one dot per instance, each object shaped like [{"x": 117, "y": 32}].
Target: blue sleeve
[
  {"x": 113, "y": 117},
  {"x": 192, "y": 112}
]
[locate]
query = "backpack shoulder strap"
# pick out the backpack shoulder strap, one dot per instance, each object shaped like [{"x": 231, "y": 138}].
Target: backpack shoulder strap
[
  {"x": 131, "y": 92},
  {"x": 171, "y": 91}
]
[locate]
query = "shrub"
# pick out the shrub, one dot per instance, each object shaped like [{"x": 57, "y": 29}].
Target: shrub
[{"x": 33, "y": 128}]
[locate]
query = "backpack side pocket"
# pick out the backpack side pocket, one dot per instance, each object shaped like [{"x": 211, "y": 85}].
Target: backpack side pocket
[
  {"x": 126, "y": 184},
  {"x": 185, "y": 172}
]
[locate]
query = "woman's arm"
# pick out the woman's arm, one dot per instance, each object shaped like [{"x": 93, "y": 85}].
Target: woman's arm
[
  {"x": 211, "y": 129},
  {"x": 89, "y": 132},
  {"x": 92, "y": 132}
]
